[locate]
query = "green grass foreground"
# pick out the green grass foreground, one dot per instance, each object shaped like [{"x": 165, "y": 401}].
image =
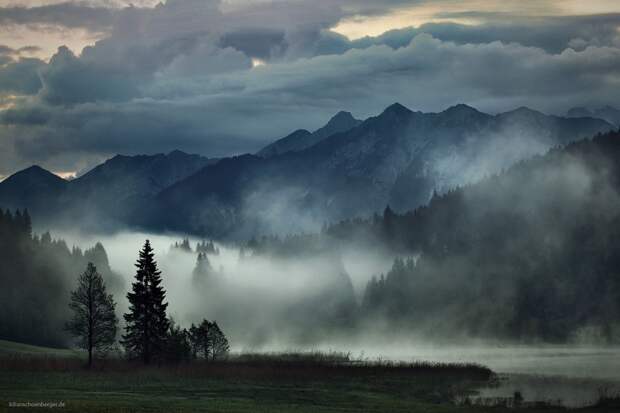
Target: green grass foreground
[{"x": 313, "y": 382}]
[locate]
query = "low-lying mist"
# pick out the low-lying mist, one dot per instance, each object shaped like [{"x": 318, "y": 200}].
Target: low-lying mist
[
  {"x": 263, "y": 302},
  {"x": 267, "y": 303}
]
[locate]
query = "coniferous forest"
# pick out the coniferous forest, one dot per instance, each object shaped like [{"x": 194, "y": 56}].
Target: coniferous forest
[
  {"x": 310, "y": 206},
  {"x": 541, "y": 238},
  {"x": 37, "y": 275}
]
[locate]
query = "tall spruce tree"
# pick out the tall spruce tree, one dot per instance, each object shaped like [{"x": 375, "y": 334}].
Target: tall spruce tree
[
  {"x": 202, "y": 270},
  {"x": 147, "y": 323},
  {"x": 94, "y": 321}
]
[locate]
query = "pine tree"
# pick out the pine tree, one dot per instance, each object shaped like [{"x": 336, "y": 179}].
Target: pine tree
[
  {"x": 178, "y": 345},
  {"x": 27, "y": 224},
  {"x": 202, "y": 270},
  {"x": 94, "y": 321},
  {"x": 147, "y": 323},
  {"x": 194, "y": 339}
]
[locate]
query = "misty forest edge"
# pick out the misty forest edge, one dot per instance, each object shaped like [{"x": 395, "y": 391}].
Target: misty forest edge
[{"x": 479, "y": 244}]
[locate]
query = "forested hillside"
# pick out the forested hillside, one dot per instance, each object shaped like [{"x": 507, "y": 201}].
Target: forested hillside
[
  {"x": 36, "y": 274},
  {"x": 529, "y": 254},
  {"x": 532, "y": 253}
]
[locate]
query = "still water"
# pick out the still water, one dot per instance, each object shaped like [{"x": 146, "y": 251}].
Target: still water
[{"x": 574, "y": 376}]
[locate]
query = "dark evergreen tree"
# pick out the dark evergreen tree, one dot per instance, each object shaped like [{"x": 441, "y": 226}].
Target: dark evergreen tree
[
  {"x": 94, "y": 321},
  {"x": 147, "y": 324},
  {"x": 183, "y": 246},
  {"x": 27, "y": 224},
  {"x": 178, "y": 346},
  {"x": 202, "y": 270},
  {"x": 194, "y": 341},
  {"x": 34, "y": 304},
  {"x": 207, "y": 248}
]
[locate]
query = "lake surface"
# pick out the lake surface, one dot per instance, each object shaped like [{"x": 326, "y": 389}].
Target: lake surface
[{"x": 576, "y": 376}]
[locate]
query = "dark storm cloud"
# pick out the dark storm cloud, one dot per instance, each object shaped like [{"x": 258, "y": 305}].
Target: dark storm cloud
[
  {"x": 69, "y": 80},
  {"x": 180, "y": 75},
  {"x": 553, "y": 34},
  {"x": 19, "y": 77},
  {"x": 262, "y": 43},
  {"x": 242, "y": 109}
]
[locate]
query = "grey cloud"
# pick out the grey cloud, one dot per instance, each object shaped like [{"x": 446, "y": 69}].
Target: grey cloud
[
  {"x": 179, "y": 38},
  {"x": 14, "y": 53},
  {"x": 69, "y": 80},
  {"x": 263, "y": 43},
  {"x": 178, "y": 76},
  {"x": 207, "y": 59},
  {"x": 375, "y": 7},
  {"x": 236, "y": 111},
  {"x": 553, "y": 34},
  {"x": 28, "y": 50},
  {"x": 67, "y": 14},
  {"x": 20, "y": 77}
]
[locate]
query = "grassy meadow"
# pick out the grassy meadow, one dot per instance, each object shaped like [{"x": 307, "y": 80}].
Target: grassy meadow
[{"x": 312, "y": 382}]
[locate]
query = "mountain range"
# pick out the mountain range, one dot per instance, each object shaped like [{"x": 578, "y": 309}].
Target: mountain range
[
  {"x": 302, "y": 139},
  {"x": 347, "y": 168},
  {"x": 541, "y": 238},
  {"x": 607, "y": 113},
  {"x": 103, "y": 196}
]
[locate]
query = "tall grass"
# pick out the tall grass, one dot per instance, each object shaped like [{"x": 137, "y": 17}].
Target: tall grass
[{"x": 311, "y": 365}]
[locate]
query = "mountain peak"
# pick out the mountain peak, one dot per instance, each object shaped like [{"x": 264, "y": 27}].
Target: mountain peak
[
  {"x": 33, "y": 174},
  {"x": 340, "y": 122},
  {"x": 177, "y": 153},
  {"x": 34, "y": 169},
  {"x": 302, "y": 139},
  {"x": 461, "y": 108},
  {"x": 397, "y": 109},
  {"x": 340, "y": 117},
  {"x": 524, "y": 111}
]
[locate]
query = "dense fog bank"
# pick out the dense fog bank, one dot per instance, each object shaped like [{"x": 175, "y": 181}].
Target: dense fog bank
[
  {"x": 526, "y": 256},
  {"x": 263, "y": 302}
]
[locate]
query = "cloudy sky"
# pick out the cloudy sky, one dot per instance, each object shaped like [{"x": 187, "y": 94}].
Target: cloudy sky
[{"x": 83, "y": 80}]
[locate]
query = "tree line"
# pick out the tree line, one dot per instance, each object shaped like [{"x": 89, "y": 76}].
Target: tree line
[
  {"x": 530, "y": 254},
  {"x": 36, "y": 275},
  {"x": 149, "y": 334}
]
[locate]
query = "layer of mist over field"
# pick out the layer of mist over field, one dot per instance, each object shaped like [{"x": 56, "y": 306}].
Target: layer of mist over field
[
  {"x": 456, "y": 304},
  {"x": 266, "y": 303},
  {"x": 274, "y": 304}
]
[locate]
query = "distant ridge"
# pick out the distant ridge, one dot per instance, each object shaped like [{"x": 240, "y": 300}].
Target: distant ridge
[
  {"x": 105, "y": 194},
  {"x": 607, "y": 113},
  {"x": 31, "y": 188},
  {"x": 347, "y": 168},
  {"x": 399, "y": 157},
  {"x": 302, "y": 139}
]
